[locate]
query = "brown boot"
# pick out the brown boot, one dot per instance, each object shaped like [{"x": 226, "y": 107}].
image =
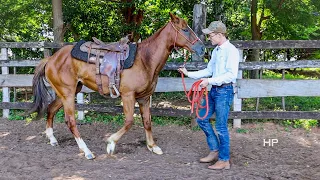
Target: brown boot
[
  {"x": 220, "y": 165},
  {"x": 213, "y": 155}
]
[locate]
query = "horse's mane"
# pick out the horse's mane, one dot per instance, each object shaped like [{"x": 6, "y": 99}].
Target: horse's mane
[
  {"x": 148, "y": 48},
  {"x": 154, "y": 36}
]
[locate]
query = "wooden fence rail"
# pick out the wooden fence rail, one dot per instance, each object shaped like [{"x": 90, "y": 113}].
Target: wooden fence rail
[
  {"x": 117, "y": 110},
  {"x": 245, "y": 88}
]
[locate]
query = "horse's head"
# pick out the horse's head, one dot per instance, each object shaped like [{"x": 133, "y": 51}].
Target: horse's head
[{"x": 185, "y": 37}]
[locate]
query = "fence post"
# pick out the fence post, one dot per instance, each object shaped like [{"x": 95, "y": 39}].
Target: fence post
[
  {"x": 5, "y": 90},
  {"x": 14, "y": 88},
  {"x": 46, "y": 53},
  {"x": 258, "y": 99},
  {"x": 199, "y": 23},
  {"x": 283, "y": 98},
  {"x": 237, "y": 103}
]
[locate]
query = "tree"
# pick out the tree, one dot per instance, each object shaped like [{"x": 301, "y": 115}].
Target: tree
[
  {"x": 132, "y": 18},
  {"x": 282, "y": 19},
  {"x": 110, "y": 20},
  {"x": 25, "y": 20},
  {"x": 58, "y": 27}
]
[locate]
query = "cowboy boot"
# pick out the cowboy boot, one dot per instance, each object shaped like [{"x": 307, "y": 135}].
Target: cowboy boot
[
  {"x": 220, "y": 165},
  {"x": 213, "y": 155}
]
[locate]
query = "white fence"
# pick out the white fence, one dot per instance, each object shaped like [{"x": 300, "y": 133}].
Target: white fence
[{"x": 245, "y": 88}]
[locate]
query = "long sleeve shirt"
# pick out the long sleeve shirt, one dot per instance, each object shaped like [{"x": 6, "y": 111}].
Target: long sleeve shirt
[{"x": 222, "y": 67}]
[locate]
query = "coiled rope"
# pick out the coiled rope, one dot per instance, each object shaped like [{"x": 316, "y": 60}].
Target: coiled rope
[{"x": 196, "y": 92}]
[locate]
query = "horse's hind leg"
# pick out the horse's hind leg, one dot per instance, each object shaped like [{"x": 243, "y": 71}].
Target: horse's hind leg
[
  {"x": 69, "y": 111},
  {"x": 146, "y": 117},
  {"x": 53, "y": 108}
]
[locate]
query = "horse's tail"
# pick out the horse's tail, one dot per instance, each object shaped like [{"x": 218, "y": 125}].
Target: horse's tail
[{"x": 40, "y": 91}]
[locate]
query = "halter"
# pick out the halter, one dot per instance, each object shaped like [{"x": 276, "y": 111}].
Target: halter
[
  {"x": 177, "y": 31},
  {"x": 194, "y": 92}
]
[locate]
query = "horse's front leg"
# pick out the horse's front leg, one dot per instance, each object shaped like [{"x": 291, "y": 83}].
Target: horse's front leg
[
  {"x": 128, "y": 110},
  {"x": 146, "y": 117}
]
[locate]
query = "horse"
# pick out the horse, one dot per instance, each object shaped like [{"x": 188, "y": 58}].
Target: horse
[{"x": 66, "y": 76}]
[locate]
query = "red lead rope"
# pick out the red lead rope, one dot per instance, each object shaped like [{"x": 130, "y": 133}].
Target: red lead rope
[{"x": 196, "y": 96}]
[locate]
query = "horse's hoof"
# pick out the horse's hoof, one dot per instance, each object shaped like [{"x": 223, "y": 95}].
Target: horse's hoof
[
  {"x": 110, "y": 147},
  {"x": 90, "y": 156},
  {"x": 155, "y": 149},
  {"x": 54, "y": 143}
]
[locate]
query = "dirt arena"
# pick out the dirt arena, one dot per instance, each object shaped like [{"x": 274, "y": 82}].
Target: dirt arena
[{"x": 25, "y": 153}]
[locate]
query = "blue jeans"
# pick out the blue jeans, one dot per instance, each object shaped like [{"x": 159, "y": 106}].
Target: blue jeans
[{"x": 219, "y": 101}]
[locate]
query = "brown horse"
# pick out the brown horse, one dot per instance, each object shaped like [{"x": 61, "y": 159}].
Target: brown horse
[{"x": 66, "y": 76}]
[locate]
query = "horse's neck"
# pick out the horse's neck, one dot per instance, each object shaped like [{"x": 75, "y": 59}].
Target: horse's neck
[{"x": 156, "y": 50}]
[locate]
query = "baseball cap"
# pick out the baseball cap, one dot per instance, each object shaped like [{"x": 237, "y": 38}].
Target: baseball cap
[{"x": 215, "y": 27}]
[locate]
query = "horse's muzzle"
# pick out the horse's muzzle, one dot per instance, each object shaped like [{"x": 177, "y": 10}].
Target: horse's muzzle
[{"x": 199, "y": 49}]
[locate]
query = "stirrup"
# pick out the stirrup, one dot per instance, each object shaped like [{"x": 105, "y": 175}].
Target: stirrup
[{"x": 115, "y": 89}]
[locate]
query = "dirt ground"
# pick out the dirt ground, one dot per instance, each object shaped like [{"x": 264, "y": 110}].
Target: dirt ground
[{"x": 25, "y": 153}]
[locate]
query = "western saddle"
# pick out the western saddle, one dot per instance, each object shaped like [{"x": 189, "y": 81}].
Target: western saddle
[{"x": 108, "y": 58}]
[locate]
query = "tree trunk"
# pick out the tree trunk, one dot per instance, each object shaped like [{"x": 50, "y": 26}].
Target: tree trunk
[
  {"x": 133, "y": 18},
  {"x": 199, "y": 23},
  {"x": 256, "y": 35},
  {"x": 219, "y": 15},
  {"x": 58, "y": 31}
]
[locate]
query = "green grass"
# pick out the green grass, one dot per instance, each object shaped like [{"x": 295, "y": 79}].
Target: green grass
[
  {"x": 275, "y": 104},
  {"x": 306, "y": 124}
]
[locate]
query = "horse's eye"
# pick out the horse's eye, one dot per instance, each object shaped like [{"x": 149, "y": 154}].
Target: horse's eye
[{"x": 185, "y": 30}]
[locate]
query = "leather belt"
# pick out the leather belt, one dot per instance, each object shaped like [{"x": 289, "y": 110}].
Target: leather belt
[{"x": 222, "y": 85}]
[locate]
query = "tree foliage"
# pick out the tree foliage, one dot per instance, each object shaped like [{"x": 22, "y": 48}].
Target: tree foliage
[
  {"x": 25, "y": 20},
  {"x": 291, "y": 19},
  {"x": 31, "y": 20}
]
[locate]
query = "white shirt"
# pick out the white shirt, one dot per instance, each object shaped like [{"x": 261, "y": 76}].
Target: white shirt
[{"x": 222, "y": 67}]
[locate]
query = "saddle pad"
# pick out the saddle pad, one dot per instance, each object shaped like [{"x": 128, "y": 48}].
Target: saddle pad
[{"x": 83, "y": 56}]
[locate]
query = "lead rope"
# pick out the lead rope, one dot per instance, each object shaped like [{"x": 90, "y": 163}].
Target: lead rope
[{"x": 196, "y": 96}]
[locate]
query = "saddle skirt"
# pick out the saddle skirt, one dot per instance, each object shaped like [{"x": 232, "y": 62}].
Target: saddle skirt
[
  {"x": 82, "y": 55},
  {"x": 109, "y": 59}
]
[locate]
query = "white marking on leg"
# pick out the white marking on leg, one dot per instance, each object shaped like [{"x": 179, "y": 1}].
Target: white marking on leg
[
  {"x": 50, "y": 136},
  {"x": 110, "y": 147},
  {"x": 83, "y": 147},
  {"x": 111, "y": 144}
]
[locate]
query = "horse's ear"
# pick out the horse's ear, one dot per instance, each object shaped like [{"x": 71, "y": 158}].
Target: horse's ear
[{"x": 174, "y": 18}]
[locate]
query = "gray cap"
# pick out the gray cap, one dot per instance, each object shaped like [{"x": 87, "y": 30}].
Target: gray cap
[{"x": 215, "y": 27}]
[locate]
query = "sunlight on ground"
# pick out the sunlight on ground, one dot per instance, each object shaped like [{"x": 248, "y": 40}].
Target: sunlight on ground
[
  {"x": 30, "y": 138},
  {"x": 107, "y": 156},
  {"x": 316, "y": 141},
  {"x": 74, "y": 177},
  {"x": 167, "y": 104},
  {"x": 3, "y": 147},
  {"x": 303, "y": 142},
  {"x": 3, "y": 134}
]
